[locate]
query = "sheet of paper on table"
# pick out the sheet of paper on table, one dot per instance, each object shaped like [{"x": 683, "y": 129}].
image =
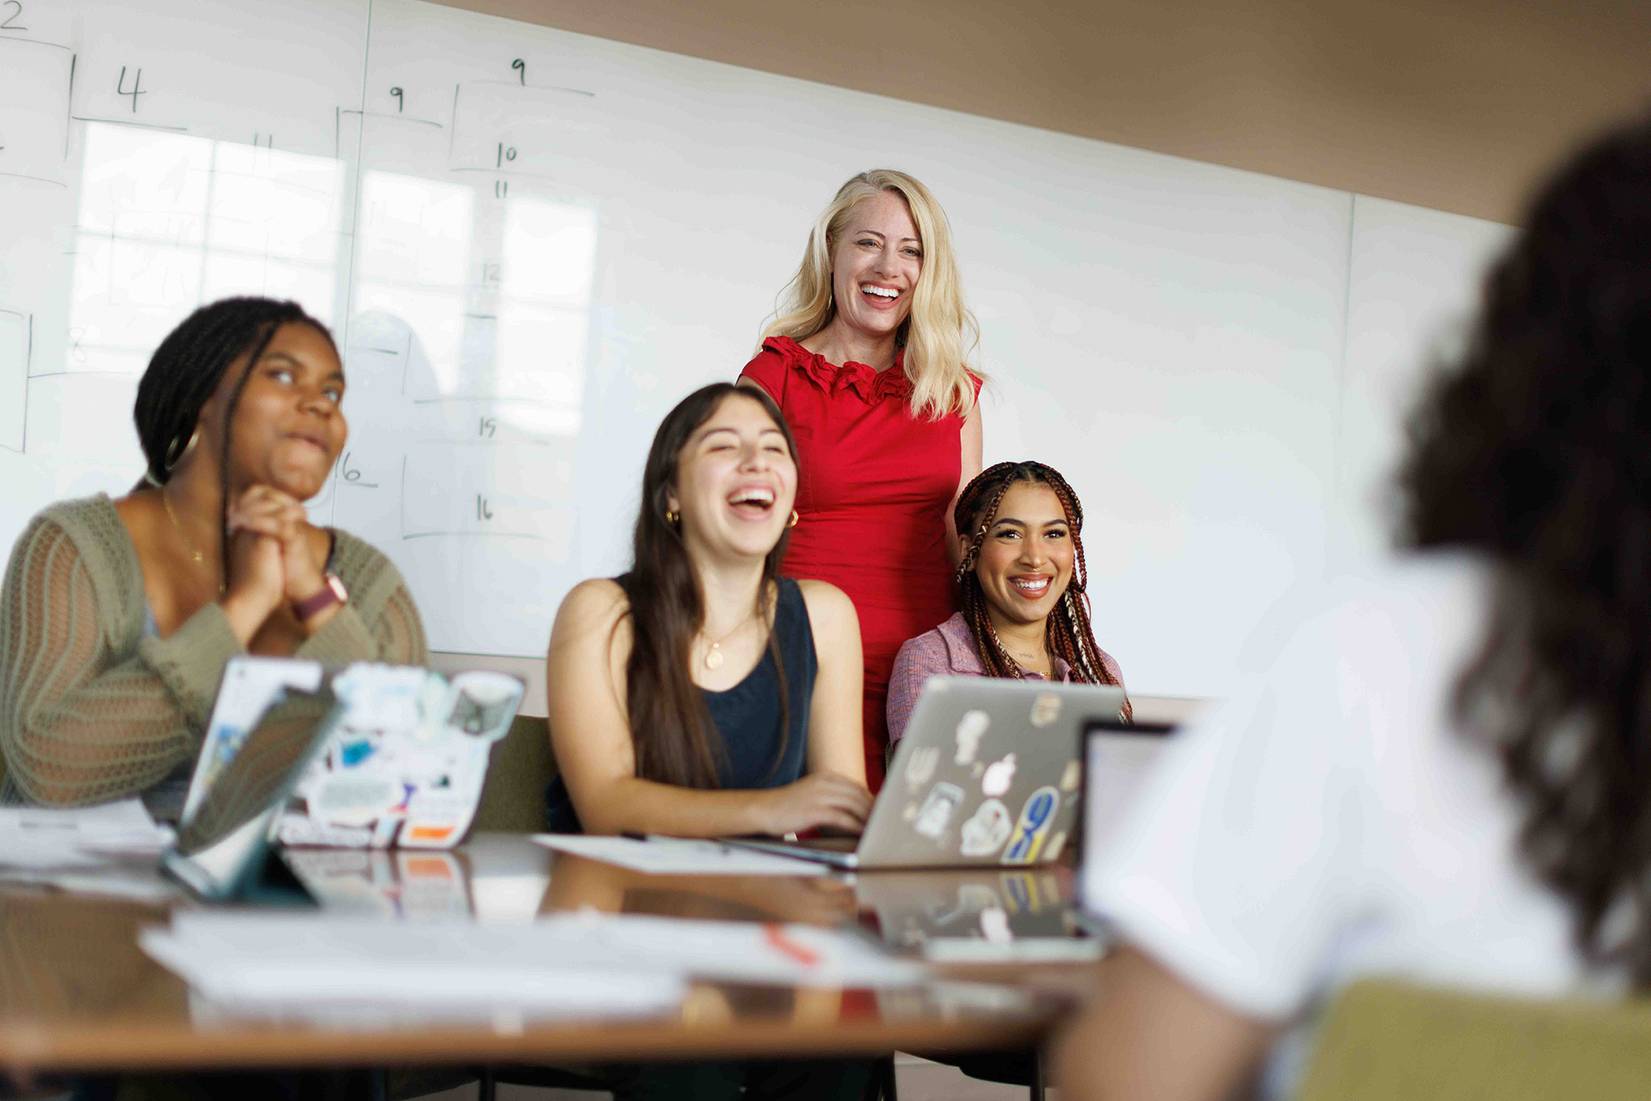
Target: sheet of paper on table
[
  {"x": 80, "y": 837},
  {"x": 679, "y": 856},
  {"x": 581, "y": 963}
]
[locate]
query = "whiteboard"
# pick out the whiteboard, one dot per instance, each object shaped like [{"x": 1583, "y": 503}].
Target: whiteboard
[{"x": 532, "y": 243}]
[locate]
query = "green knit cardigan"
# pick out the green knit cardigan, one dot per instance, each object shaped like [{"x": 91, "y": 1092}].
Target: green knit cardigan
[{"x": 91, "y": 709}]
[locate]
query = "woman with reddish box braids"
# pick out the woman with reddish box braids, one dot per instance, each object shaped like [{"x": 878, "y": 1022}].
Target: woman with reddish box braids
[{"x": 1021, "y": 580}]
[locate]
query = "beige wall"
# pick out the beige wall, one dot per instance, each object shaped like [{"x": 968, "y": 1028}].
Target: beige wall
[{"x": 1450, "y": 104}]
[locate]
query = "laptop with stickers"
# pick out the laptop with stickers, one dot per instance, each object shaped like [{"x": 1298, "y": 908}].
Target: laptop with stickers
[
  {"x": 368, "y": 756},
  {"x": 988, "y": 773}
]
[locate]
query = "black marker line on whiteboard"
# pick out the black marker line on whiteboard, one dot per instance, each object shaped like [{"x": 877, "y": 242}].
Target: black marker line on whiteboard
[
  {"x": 587, "y": 93},
  {"x": 129, "y": 122},
  {"x": 476, "y": 535},
  {"x": 393, "y": 118},
  {"x": 134, "y": 375},
  {"x": 453, "y": 134},
  {"x": 37, "y": 179},
  {"x": 491, "y": 399},
  {"x": 69, "y": 108},
  {"x": 37, "y": 42}
]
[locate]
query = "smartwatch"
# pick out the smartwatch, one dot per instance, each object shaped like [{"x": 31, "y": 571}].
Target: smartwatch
[{"x": 332, "y": 592}]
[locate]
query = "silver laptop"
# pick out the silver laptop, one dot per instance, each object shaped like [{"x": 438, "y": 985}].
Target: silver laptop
[
  {"x": 272, "y": 717},
  {"x": 988, "y": 773}
]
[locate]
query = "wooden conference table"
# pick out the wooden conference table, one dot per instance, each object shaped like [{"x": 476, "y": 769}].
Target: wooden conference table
[{"x": 78, "y": 995}]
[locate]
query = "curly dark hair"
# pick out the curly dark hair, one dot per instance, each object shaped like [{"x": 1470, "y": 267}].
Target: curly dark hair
[
  {"x": 1068, "y": 633},
  {"x": 1534, "y": 448}
]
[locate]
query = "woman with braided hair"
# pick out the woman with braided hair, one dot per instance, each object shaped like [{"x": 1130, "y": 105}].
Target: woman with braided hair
[
  {"x": 117, "y": 617},
  {"x": 1021, "y": 581}
]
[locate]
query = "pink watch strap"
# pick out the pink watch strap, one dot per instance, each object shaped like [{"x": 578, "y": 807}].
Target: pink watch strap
[{"x": 332, "y": 592}]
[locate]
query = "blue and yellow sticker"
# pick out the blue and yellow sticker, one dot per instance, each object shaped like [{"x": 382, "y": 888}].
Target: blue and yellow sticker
[{"x": 1037, "y": 817}]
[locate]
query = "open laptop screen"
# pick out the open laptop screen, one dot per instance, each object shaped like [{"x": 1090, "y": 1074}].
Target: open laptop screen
[
  {"x": 269, "y": 721},
  {"x": 1117, "y": 757}
]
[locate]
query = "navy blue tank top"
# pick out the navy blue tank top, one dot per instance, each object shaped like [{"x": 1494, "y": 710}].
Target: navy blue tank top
[{"x": 755, "y": 752}]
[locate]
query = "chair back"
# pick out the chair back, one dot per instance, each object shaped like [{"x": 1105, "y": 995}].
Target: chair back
[
  {"x": 1386, "y": 1039},
  {"x": 513, "y": 797}
]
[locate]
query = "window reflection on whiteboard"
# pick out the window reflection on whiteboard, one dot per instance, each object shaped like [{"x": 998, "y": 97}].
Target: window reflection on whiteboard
[
  {"x": 500, "y": 304},
  {"x": 169, "y": 221},
  {"x": 475, "y": 310}
]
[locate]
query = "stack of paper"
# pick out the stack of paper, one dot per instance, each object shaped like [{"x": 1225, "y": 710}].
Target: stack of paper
[
  {"x": 569, "y": 964},
  {"x": 678, "y": 855},
  {"x": 82, "y": 837},
  {"x": 107, "y": 849}
]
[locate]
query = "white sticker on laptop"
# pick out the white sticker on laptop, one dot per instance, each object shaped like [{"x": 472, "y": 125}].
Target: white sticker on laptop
[
  {"x": 1070, "y": 776},
  {"x": 970, "y": 729},
  {"x": 987, "y": 829},
  {"x": 998, "y": 776},
  {"x": 936, "y": 812},
  {"x": 920, "y": 766},
  {"x": 1046, "y": 708}
]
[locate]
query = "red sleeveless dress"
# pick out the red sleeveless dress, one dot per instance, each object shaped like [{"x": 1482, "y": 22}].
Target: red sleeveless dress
[{"x": 873, "y": 487}]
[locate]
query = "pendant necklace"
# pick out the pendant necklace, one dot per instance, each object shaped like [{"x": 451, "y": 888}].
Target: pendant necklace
[
  {"x": 195, "y": 553},
  {"x": 713, "y": 656}
]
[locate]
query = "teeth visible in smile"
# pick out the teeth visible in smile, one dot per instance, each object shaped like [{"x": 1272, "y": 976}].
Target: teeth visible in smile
[
  {"x": 752, "y": 497},
  {"x": 880, "y": 292},
  {"x": 1030, "y": 585}
]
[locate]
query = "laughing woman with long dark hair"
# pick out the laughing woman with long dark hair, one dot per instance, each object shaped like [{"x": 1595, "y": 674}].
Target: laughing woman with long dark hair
[{"x": 701, "y": 694}]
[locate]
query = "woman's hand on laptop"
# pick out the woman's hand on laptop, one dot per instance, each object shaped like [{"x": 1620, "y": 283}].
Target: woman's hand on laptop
[{"x": 819, "y": 800}]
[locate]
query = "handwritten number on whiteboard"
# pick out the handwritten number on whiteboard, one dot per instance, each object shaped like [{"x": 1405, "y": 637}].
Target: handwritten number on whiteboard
[
  {"x": 501, "y": 189},
  {"x": 10, "y": 24},
  {"x": 506, "y": 153},
  {"x": 483, "y": 512},
  {"x": 519, "y": 65},
  {"x": 352, "y": 474},
  {"x": 400, "y": 99},
  {"x": 488, "y": 428},
  {"x": 136, "y": 89}
]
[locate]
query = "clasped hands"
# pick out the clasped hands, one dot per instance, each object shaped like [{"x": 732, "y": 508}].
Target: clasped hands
[{"x": 272, "y": 555}]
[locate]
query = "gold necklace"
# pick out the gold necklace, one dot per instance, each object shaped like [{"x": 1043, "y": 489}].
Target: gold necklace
[
  {"x": 195, "y": 553},
  {"x": 1022, "y": 658},
  {"x": 714, "y": 656}
]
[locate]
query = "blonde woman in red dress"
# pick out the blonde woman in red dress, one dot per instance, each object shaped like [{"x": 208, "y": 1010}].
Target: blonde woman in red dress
[{"x": 866, "y": 359}]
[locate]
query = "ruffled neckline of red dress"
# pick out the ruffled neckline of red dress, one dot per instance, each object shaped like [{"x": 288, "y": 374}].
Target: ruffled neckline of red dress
[{"x": 860, "y": 379}]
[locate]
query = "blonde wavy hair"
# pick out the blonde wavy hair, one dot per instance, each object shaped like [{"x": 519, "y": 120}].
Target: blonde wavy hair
[{"x": 937, "y": 334}]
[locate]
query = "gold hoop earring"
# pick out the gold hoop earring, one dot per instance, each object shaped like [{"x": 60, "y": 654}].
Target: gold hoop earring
[
  {"x": 673, "y": 517},
  {"x": 791, "y": 523}
]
